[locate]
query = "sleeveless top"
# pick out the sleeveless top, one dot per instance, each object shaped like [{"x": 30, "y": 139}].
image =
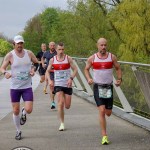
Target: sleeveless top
[
  {"x": 103, "y": 69},
  {"x": 20, "y": 69},
  {"x": 62, "y": 71}
]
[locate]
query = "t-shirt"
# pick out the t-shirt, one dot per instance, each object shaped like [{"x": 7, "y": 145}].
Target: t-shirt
[
  {"x": 39, "y": 56},
  {"x": 48, "y": 55}
]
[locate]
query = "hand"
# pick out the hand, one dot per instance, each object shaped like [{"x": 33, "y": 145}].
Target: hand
[
  {"x": 118, "y": 82},
  {"x": 44, "y": 66},
  {"x": 7, "y": 75},
  {"x": 90, "y": 81},
  {"x": 32, "y": 73},
  {"x": 69, "y": 83}
]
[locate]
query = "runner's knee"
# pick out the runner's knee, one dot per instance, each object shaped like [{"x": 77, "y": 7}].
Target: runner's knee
[
  {"x": 28, "y": 110},
  {"x": 108, "y": 113},
  {"x": 102, "y": 112},
  {"x": 16, "y": 111},
  {"x": 67, "y": 107},
  {"x": 61, "y": 104}
]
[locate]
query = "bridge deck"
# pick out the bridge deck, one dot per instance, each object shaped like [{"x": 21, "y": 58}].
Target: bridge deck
[{"x": 82, "y": 129}]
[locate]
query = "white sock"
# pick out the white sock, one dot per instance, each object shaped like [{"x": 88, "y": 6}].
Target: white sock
[
  {"x": 16, "y": 120},
  {"x": 24, "y": 112}
]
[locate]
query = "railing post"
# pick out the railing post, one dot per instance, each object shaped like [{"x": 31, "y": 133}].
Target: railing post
[
  {"x": 122, "y": 97},
  {"x": 86, "y": 85},
  {"x": 77, "y": 84}
]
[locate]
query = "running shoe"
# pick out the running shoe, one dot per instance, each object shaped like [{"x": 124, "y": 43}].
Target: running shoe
[
  {"x": 45, "y": 92},
  {"x": 62, "y": 127},
  {"x": 23, "y": 118},
  {"x": 53, "y": 106},
  {"x": 18, "y": 135},
  {"x": 105, "y": 140}
]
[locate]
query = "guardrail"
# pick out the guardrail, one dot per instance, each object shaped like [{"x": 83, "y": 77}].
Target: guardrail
[{"x": 133, "y": 96}]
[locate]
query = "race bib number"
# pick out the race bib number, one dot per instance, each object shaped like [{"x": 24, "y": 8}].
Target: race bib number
[
  {"x": 104, "y": 91},
  {"x": 22, "y": 75},
  {"x": 61, "y": 75}
]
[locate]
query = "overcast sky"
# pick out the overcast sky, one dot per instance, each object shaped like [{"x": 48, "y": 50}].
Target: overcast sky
[{"x": 15, "y": 13}]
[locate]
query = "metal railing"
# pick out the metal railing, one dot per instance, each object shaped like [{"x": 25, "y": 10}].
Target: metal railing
[{"x": 134, "y": 93}]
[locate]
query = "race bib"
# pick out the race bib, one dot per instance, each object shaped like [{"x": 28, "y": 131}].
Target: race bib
[
  {"x": 104, "y": 91},
  {"x": 22, "y": 75},
  {"x": 61, "y": 75}
]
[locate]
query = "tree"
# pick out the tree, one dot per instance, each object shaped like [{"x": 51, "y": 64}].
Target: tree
[
  {"x": 5, "y": 47},
  {"x": 132, "y": 20},
  {"x": 33, "y": 34},
  {"x": 49, "y": 20}
]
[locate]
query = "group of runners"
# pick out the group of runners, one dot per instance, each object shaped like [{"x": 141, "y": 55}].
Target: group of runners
[{"x": 54, "y": 67}]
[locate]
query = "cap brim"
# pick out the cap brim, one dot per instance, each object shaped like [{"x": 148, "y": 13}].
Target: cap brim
[{"x": 19, "y": 41}]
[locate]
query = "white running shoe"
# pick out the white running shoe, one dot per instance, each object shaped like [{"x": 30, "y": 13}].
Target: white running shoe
[{"x": 62, "y": 127}]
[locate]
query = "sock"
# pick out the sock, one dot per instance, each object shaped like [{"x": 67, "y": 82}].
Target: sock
[{"x": 16, "y": 120}]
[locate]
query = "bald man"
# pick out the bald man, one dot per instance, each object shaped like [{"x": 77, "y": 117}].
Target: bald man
[
  {"x": 102, "y": 63},
  {"x": 47, "y": 56}
]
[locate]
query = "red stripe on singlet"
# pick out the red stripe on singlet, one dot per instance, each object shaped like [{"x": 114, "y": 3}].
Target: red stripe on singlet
[
  {"x": 61, "y": 66},
  {"x": 102, "y": 65}
]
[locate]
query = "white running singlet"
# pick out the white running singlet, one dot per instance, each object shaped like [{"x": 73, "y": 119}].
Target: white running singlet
[
  {"x": 20, "y": 71},
  {"x": 62, "y": 71},
  {"x": 102, "y": 69}
]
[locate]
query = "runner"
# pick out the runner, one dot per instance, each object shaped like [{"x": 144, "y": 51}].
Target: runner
[
  {"x": 62, "y": 83},
  {"x": 20, "y": 61},
  {"x": 42, "y": 70},
  {"x": 47, "y": 56},
  {"x": 102, "y": 63}
]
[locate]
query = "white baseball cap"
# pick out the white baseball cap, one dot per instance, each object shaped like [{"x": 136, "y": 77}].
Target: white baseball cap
[{"x": 18, "y": 39}]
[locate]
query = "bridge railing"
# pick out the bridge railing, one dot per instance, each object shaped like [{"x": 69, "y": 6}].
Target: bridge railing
[{"x": 134, "y": 93}]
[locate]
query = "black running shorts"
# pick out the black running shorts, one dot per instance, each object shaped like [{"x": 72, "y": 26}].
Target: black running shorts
[
  {"x": 108, "y": 102},
  {"x": 66, "y": 90}
]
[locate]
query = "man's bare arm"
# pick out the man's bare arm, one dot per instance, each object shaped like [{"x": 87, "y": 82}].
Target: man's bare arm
[
  {"x": 5, "y": 63},
  {"x": 7, "y": 60},
  {"x": 87, "y": 68},
  {"x": 73, "y": 67},
  {"x": 33, "y": 57},
  {"x": 118, "y": 70},
  {"x": 48, "y": 70}
]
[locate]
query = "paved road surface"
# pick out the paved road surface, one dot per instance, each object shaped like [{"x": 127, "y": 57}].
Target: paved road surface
[{"x": 82, "y": 129}]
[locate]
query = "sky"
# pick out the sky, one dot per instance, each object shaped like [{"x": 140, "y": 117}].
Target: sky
[{"x": 14, "y": 14}]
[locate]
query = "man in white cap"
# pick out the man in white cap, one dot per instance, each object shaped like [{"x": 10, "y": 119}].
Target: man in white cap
[{"x": 20, "y": 61}]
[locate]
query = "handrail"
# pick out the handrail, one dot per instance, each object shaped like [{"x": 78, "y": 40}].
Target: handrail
[
  {"x": 140, "y": 79},
  {"x": 122, "y": 62}
]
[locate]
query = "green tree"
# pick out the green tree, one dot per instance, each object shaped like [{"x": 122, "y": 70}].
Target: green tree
[
  {"x": 132, "y": 20},
  {"x": 5, "y": 47},
  {"x": 33, "y": 34},
  {"x": 93, "y": 23},
  {"x": 49, "y": 20}
]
